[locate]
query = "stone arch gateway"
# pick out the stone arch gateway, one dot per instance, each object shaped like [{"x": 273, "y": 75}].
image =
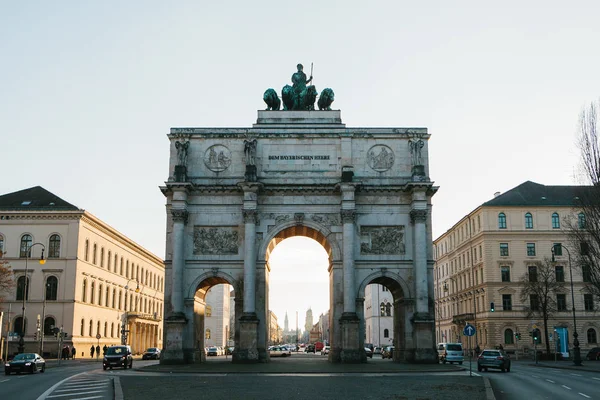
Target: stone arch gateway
[{"x": 363, "y": 193}]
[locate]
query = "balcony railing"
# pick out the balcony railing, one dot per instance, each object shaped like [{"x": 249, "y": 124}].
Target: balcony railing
[{"x": 461, "y": 319}]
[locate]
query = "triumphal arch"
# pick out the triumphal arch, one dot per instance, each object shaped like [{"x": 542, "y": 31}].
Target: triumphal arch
[{"x": 364, "y": 194}]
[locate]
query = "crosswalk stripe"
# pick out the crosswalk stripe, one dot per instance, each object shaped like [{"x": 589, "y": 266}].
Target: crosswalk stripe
[{"x": 71, "y": 394}]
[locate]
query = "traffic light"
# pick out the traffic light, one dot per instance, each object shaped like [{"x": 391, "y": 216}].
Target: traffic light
[
  {"x": 537, "y": 338},
  {"x": 492, "y": 306},
  {"x": 35, "y": 335},
  {"x": 518, "y": 336}
]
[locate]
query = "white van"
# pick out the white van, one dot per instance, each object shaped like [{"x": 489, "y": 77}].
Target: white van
[{"x": 450, "y": 352}]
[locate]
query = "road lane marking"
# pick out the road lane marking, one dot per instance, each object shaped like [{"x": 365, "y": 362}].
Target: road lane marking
[
  {"x": 550, "y": 381},
  {"x": 47, "y": 392},
  {"x": 71, "y": 394},
  {"x": 566, "y": 387},
  {"x": 89, "y": 398},
  {"x": 6, "y": 380},
  {"x": 535, "y": 376},
  {"x": 576, "y": 374},
  {"x": 585, "y": 395},
  {"x": 78, "y": 389},
  {"x": 598, "y": 379},
  {"x": 88, "y": 386}
]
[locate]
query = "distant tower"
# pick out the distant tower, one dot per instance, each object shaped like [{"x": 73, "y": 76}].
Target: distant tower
[
  {"x": 309, "y": 320},
  {"x": 286, "y": 323}
]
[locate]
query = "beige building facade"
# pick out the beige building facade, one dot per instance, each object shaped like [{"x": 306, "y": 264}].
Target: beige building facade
[
  {"x": 96, "y": 284},
  {"x": 483, "y": 258}
]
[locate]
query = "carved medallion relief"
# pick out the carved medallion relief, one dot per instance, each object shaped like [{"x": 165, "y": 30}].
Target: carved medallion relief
[
  {"x": 217, "y": 158},
  {"x": 216, "y": 240},
  {"x": 380, "y": 158},
  {"x": 378, "y": 240}
]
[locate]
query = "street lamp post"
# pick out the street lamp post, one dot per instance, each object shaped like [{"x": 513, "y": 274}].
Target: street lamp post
[
  {"x": 576, "y": 349},
  {"x": 21, "y": 347}
]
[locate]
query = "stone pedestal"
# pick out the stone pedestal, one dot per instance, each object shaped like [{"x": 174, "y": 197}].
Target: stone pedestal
[
  {"x": 174, "y": 327},
  {"x": 180, "y": 173},
  {"x": 351, "y": 352},
  {"x": 247, "y": 350},
  {"x": 423, "y": 337}
]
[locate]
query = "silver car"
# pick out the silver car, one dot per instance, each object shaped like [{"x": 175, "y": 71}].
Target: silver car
[{"x": 493, "y": 359}]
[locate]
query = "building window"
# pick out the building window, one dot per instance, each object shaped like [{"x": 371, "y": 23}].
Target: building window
[
  {"x": 505, "y": 272},
  {"x": 504, "y": 249},
  {"x": 120, "y": 300},
  {"x": 121, "y": 267},
  {"x": 584, "y": 248},
  {"x": 586, "y": 272},
  {"x": 26, "y": 241},
  {"x": 106, "y": 296},
  {"x": 102, "y": 257},
  {"x": 382, "y": 309},
  {"x": 555, "y": 221},
  {"x": 93, "y": 293},
  {"x": 94, "y": 254},
  {"x": 18, "y": 326},
  {"x": 208, "y": 311},
  {"x": 82, "y": 327},
  {"x": 507, "y": 302},
  {"x": 108, "y": 259},
  {"x": 22, "y": 288},
  {"x": 581, "y": 220},
  {"x": 501, "y": 221},
  {"x": 127, "y": 269},
  {"x": 112, "y": 329},
  {"x": 528, "y": 221},
  {"x": 560, "y": 273},
  {"x": 591, "y": 336},
  {"x": 84, "y": 291},
  {"x": 51, "y": 288},
  {"x": 532, "y": 269},
  {"x": 531, "y": 249},
  {"x": 98, "y": 328},
  {"x": 90, "y": 329},
  {"x": 100, "y": 294},
  {"x": 54, "y": 247},
  {"x": 386, "y": 333},
  {"x": 207, "y": 334},
  {"x": 557, "y": 249},
  {"x": 86, "y": 250},
  {"x": 106, "y": 329},
  {"x": 114, "y": 296},
  {"x": 509, "y": 337},
  {"x": 49, "y": 324},
  {"x": 534, "y": 302},
  {"x": 561, "y": 302},
  {"x": 388, "y": 310},
  {"x": 588, "y": 302}
]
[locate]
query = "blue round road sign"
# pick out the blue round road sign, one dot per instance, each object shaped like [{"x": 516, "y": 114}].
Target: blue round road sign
[{"x": 469, "y": 330}]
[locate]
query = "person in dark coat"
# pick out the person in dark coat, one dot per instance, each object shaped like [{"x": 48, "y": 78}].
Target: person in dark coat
[
  {"x": 92, "y": 351},
  {"x": 73, "y": 352},
  {"x": 104, "y": 350},
  {"x": 97, "y": 351}
]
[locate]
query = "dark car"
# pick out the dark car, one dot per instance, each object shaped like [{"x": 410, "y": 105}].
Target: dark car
[
  {"x": 117, "y": 356},
  {"x": 593, "y": 354},
  {"x": 25, "y": 362},
  {"x": 310, "y": 348},
  {"x": 152, "y": 353},
  {"x": 493, "y": 359}
]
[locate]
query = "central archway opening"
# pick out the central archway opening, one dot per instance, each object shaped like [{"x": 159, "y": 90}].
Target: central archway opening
[{"x": 298, "y": 264}]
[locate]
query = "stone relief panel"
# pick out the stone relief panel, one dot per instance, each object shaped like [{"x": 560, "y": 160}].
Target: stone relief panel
[
  {"x": 216, "y": 240},
  {"x": 328, "y": 220},
  {"x": 379, "y": 240},
  {"x": 380, "y": 158},
  {"x": 217, "y": 158}
]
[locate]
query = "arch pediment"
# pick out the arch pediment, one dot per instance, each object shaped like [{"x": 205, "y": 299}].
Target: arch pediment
[{"x": 507, "y": 290}]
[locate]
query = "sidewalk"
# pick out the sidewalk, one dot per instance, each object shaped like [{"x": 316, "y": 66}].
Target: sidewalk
[{"x": 589, "y": 366}]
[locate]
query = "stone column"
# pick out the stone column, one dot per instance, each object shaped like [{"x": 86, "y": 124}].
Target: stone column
[
  {"x": 179, "y": 220},
  {"x": 249, "y": 261},
  {"x": 418, "y": 219}
]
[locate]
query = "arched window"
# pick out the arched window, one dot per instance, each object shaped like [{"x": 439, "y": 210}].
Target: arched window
[
  {"x": 501, "y": 221},
  {"x": 509, "y": 337},
  {"x": 581, "y": 220},
  {"x": 86, "y": 250},
  {"x": 528, "y": 221},
  {"x": 137, "y": 272},
  {"x": 382, "y": 309},
  {"x": 108, "y": 261},
  {"x": 102, "y": 257},
  {"x": 388, "y": 310},
  {"x": 591, "y": 336},
  {"x": 106, "y": 296},
  {"x": 127, "y": 269},
  {"x": 22, "y": 288},
  {"x": 106, "y": 329},
  {"x": 49, "y": 324},
  {"x": 54, "y": 247},
  {"x": 555, "y": 221},
  {"x": 81, "y": 329},
  {"x": 26, "y": 241},
  {"x": 386, "y": 333},
  {"x": 120, "y": 300},
  {"x": 100, "y": 294},
  {"x": 90, "y": 333},
  {"x": 51, "y": 288},
  {"x": 84, "y": 291},
  {"x": 142, "y": 277},
  {"x": 112, "y": 329},
  {"x": 114, "y": 296},
  {"x": 93, "y": 293},
  {"x": 121, "y": 268},
  {"x": 18, "y": 325},
  {"x": 115, "y": 264},
  {"x": 207, "y": 335},
  {"x": 95, "y": 254},
  {"x": 97, "y": 328}
]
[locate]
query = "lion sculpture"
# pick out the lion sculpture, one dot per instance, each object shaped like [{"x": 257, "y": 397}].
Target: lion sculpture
[
  {"x": 325, "y": 99},
  {"x": 270, "y": 97}
]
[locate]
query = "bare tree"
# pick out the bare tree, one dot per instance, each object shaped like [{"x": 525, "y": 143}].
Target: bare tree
[
  {"x": 540, "y": 288},
  {"x": 6, "y": 277},
  {"x": 583, "y": 227}
]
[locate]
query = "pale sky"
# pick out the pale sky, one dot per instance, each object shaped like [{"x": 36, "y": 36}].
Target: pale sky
[{"x": 89, "y": 90}]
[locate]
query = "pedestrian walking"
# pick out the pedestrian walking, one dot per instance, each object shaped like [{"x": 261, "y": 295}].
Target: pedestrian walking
[
  {"x": 97, "y": 351},
  {"x": 73, "y": 352},
  {"x": 92, "y": 351},
  {"x": 104, "y": 350}
]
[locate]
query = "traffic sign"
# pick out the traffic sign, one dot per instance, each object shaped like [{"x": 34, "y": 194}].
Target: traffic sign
[
  {"x": 469, "y": 330},
  {"x": 98, "y": 336}
]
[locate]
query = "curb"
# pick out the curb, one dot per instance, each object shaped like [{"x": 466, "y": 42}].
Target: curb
[
  {"x": 118, "y": 390},
  {"x": 287, "y": 372},
  {"x": 489, "y": 393}
]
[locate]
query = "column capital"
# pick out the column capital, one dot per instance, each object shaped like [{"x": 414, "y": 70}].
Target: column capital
[
  {"x": 418, "y": 216},
  {"x": 179, "y": 215},
  {"x": 250, "y": 216},
  {"x": 348, "y": 216}
]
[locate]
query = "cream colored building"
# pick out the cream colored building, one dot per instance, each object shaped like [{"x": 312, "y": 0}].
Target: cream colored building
[
  {"x": 379, "y": 315},
  {"x": 94, "y": 281},
  {"x": 217, "y": 315},
  {"x": 482, "y": 258}
]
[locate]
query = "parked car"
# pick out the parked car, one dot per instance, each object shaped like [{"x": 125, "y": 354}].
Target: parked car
[
  {"x": 450, "y": 352},
  {"x": 377, "y": 350},
  {"x": 387, "y": 352},
  {"x": 593, "y": 354},
  {"x": 325, "y": 350},
  {"x": 493, "y": 359},
  {"x": 117, "y": 356},
  {"x": 279, "y": 351},
  {"x": 25, "y": 362},
  {"x": 310, "y": 348},
  {"x": 152, "y": 353},
  {"x": 212, "y": 351},
  {"x": 369, "y": 352}
]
